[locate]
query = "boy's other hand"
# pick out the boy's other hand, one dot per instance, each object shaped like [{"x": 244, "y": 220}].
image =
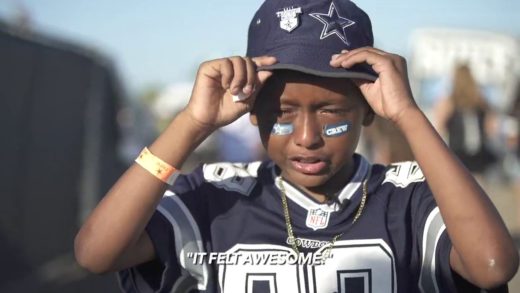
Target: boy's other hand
[
  {"x": 211, "y": 105},
  {"x": 389, "y": 95}
]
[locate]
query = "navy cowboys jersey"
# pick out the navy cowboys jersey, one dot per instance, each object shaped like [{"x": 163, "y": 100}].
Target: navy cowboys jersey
[{"x": 399, "y": 244}]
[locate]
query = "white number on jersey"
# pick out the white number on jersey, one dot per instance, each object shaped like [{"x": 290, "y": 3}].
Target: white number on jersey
[
  {"x": 403, "y": 173},
  {"x": 357, "y": 266},
  {"x": 232, "y": 177}
]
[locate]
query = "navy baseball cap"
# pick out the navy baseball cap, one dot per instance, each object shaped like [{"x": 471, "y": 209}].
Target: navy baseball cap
[{"x": 304, "y": 34}]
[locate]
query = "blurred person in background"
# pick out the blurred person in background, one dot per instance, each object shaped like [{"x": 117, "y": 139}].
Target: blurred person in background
[
  {"x": 463, "y": 118},
  {"x": 239, "y": 142},
  {"x": 511, "y": 160},
  {"x": 384, "y": 143}
]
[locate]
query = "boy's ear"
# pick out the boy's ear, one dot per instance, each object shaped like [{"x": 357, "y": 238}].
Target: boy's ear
[
  {"x": 369, "y": 117},
  {"x": 253, "y": 119}
]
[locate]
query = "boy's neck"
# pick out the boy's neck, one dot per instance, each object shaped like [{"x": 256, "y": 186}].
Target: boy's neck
[{"x": 322, "y": 197}]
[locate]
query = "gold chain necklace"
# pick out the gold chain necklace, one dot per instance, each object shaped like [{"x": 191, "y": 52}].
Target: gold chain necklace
[{"x": 288, "y": 225}]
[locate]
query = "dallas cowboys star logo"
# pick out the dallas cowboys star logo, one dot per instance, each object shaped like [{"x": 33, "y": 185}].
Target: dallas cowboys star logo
[
  {"x": 333, "y": 23},
  {"x": 282, "y": 129}
]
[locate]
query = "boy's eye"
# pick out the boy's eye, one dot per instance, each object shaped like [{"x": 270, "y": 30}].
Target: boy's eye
[
  {"x": 285, "y": 114},
  {"x": 285, "y": 111},
  {"x": 335, "y": 111}
]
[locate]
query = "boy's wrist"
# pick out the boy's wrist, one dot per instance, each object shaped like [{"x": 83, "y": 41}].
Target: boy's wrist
[
  {"x": 409, "y": 118},
  {"x": 189, "y": 123}
]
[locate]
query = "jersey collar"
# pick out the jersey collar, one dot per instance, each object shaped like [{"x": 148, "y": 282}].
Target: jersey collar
[{"x": 306, "y": 202}]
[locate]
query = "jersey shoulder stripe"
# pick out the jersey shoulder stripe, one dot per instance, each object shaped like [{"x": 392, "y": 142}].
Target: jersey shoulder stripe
[
  {"x": 187, "y": 235},
  {"x": 432, "y": 232}
]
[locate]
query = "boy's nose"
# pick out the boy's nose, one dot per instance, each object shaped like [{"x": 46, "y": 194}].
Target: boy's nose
[{"x": 307, "y": 132}]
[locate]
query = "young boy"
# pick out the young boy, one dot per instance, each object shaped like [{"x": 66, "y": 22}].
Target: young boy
[{"x": 311, "y": 81}]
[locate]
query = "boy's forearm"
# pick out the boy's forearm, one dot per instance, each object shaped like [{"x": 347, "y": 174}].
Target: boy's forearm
[
  {"x": 120, "y": 218},
  {"x": 476, "y": 229}
]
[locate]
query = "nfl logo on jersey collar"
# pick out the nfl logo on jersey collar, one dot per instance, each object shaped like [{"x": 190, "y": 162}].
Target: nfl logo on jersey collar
[
  {"x": 304, "y": 34},
  {"x": 317, "y": 219}
]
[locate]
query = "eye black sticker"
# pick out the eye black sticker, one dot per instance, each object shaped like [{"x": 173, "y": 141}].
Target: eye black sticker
[
  {"x": 282, "y": 129},
  {"x": 329, "y": 130},
  {"x": 337, "y": 129}
]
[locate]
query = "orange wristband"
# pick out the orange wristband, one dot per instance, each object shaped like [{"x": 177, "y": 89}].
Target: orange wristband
[{"x": 157, "y": 167}]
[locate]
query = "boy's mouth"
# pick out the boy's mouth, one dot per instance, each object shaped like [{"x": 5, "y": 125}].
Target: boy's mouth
[{"x": 308, "y": 165}]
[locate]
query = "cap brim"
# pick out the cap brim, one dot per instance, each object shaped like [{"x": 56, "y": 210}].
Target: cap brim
[
  {"x": 335, "y": 74},
  {"x": 315, "y": 60}
]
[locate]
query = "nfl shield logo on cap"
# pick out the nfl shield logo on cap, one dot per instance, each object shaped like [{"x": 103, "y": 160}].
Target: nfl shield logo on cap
[
  {"x": 289, "y": 18},
  {"x": 317, "y": 219}
]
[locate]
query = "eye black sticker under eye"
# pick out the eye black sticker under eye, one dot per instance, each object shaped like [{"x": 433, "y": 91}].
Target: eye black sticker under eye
[
  {"x": 336, "y": 129},
  {"x": 282, "y": 129}
]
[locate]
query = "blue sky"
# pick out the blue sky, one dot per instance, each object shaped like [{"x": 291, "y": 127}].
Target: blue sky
[{"x": 161, "y": 42}]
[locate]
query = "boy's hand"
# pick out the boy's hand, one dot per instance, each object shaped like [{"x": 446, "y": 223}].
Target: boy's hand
[
  {"x": 390, "y": 95},
  {"x": 211, "y": 105}
]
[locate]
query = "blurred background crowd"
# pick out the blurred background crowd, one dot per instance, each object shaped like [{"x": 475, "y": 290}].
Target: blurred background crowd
[{"x": 84, "y": 85}]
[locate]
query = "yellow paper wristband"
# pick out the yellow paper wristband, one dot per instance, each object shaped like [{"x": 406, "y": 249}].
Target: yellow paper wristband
[{"x": 157, "y": 167}]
